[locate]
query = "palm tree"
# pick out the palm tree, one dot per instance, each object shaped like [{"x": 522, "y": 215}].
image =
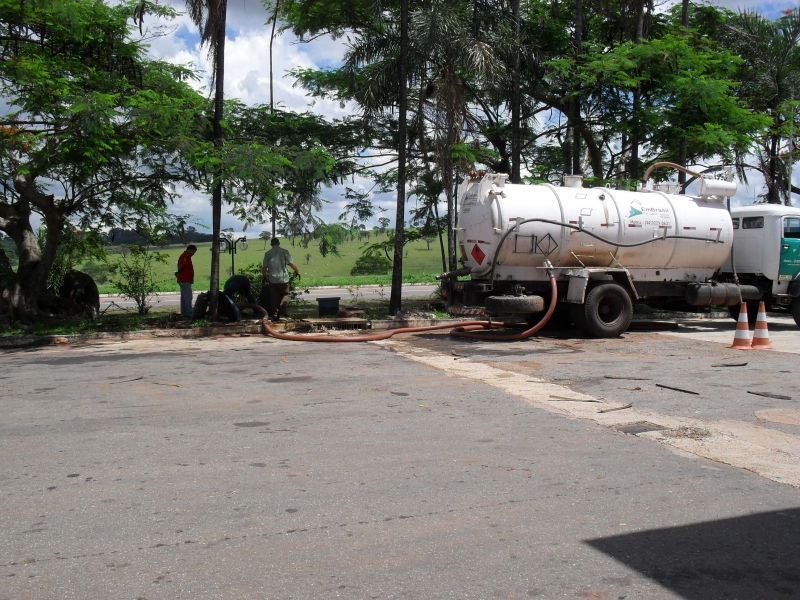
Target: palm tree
[
  {"x": 447, "y": 53},
  {"x": 210, "y": 16},
  {"x": 770, "y": 85}
]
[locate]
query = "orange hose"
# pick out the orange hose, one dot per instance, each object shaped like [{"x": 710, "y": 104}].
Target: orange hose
[
  {"x": 464, "y": 332},
  {"x": 373, "y": 336},
  {"x": 464, "y": 329}
]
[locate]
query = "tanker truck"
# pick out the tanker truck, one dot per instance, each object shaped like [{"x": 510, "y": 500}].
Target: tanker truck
[{"x": 607, "y": 248}]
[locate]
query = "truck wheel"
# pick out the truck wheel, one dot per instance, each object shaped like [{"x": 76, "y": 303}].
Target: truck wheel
[
  {"x": 752, "y": 312},
  {"x": 796, "y": 311},
  {"x": 608, "y": 310},
  {"x": 515, "y": 304}
]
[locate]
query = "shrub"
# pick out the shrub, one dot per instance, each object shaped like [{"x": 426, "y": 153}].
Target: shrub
[
  {"x": 371, "y": 265},
  {"x": 135, "y": 279}
]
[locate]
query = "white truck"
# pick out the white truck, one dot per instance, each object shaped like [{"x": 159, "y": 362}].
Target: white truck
[
  {"x": 766, "y": 254},
  {"x": 608, "y": 248}
]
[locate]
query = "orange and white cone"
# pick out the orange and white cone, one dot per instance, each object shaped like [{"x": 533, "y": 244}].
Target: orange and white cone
[
  {"x": 741, "y": 340},
  {"x": 761, "y": 333}
]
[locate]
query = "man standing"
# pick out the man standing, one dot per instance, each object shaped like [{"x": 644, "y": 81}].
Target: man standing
[
  {"x": 275, "y": 261},
  {"x": 185, "y": 275}
]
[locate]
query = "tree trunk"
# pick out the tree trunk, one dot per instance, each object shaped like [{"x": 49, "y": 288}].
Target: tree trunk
[
  {"x": 29, "y": 282},
  {"x": 274, "y": 211},
  {"x": 575, "y": 112},
  {"x": 441, "y": 238},
  {"x": 595, "y": 154},
  {"x": 451, "y": 219},
  {"x": 682, "y": 154},
  {"x": 516, "y": 135},
  {"x": 395, "y": 301},
  {"x": 271, "y": 40},
  {"x": 633, "y": 167},
  {"x": 773, "y": 193},
  {"x": 216, "y": 200}
]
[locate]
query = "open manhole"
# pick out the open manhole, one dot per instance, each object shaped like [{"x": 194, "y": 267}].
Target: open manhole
[{"x": 637, "y": 428}]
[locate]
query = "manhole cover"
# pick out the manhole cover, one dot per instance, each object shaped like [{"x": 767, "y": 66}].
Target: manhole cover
[{"x": 637, "y": 428}]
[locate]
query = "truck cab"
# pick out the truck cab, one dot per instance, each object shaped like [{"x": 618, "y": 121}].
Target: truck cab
[{"x": 766, "y": 253}]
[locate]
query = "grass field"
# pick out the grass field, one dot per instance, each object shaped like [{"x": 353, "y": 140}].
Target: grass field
[{"x": 419, "y": 264}]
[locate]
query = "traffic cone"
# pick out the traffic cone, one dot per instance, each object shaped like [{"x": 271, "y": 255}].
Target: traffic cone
[
  {"x": 741, "y": 341},
  {"x": 761, "y": 333}
]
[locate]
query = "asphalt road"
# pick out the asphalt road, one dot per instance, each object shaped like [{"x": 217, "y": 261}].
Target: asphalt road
[
  {"x": 365, "y": 292},
  {"x": 424, "y": 467}
]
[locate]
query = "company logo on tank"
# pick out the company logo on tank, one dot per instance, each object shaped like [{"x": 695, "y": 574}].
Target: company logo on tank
[{"x": 637, "y": 209}]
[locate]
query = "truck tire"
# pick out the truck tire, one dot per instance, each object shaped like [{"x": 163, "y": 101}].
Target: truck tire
[
  {"x": 796, "y": 310},
  {"x": 607, "y": 311},
  {"x": 515, "y": 304},
  {"x": 752, "y": 312}
]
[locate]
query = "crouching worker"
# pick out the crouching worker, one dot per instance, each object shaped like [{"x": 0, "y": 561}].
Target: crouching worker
[
  {"x": 276, "y": 260},
  {"x": 239, "y": 284}
]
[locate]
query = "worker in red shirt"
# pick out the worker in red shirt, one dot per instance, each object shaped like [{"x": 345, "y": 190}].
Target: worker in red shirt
[{"x": 185, "y": 276}]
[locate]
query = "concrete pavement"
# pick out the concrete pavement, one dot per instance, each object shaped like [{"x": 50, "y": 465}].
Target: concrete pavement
[{"x": 256, "y": 468}]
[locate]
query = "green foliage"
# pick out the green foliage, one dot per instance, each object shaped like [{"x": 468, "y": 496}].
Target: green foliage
[
  {"x": 76, "y": 246},
  {"x": 99, "y": 271},
  {"x": 329, "y": 238},
  {"x": 371, "y": 264},
  {"x": 253, "y": 273},
  {"x": 274, "y": 163},
  {"x": 134, "y": 276}
]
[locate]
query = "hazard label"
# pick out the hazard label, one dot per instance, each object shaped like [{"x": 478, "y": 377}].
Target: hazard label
[{"x": 478, "y": 254}]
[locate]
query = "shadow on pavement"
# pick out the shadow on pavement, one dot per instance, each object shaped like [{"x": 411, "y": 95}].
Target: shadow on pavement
[{"x": 755, "y": 556}]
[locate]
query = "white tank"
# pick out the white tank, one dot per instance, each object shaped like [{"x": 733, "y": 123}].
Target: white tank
[{"x": 489, "y": 207}]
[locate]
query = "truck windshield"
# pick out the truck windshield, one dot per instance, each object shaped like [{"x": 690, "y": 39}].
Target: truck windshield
[{"x": 791, "y": 228}]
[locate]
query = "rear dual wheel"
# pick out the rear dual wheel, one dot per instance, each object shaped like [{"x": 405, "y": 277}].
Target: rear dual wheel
[{"x": 606, "y": 312}]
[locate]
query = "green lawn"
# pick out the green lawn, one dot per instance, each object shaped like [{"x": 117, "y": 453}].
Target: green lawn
[{"x": 420, "y": 264}]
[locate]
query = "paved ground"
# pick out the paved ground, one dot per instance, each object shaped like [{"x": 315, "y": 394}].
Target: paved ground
[
  {"x": 783, "y": 332},
  {"x": 421, "y": 467}
]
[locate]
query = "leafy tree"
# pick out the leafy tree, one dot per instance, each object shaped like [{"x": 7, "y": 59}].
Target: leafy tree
[
  {"x": 93, "y": 130},
  {"x": 275, "y": 163}
]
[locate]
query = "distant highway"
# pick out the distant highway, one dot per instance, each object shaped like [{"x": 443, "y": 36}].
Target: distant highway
[{"x": 371, "y": 292}]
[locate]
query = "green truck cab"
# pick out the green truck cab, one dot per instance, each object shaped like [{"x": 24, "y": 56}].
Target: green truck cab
[{"x": 766, "y": 254}]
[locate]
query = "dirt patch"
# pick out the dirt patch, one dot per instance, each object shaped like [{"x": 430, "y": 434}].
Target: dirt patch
[{"x": 691, "y": 433}]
